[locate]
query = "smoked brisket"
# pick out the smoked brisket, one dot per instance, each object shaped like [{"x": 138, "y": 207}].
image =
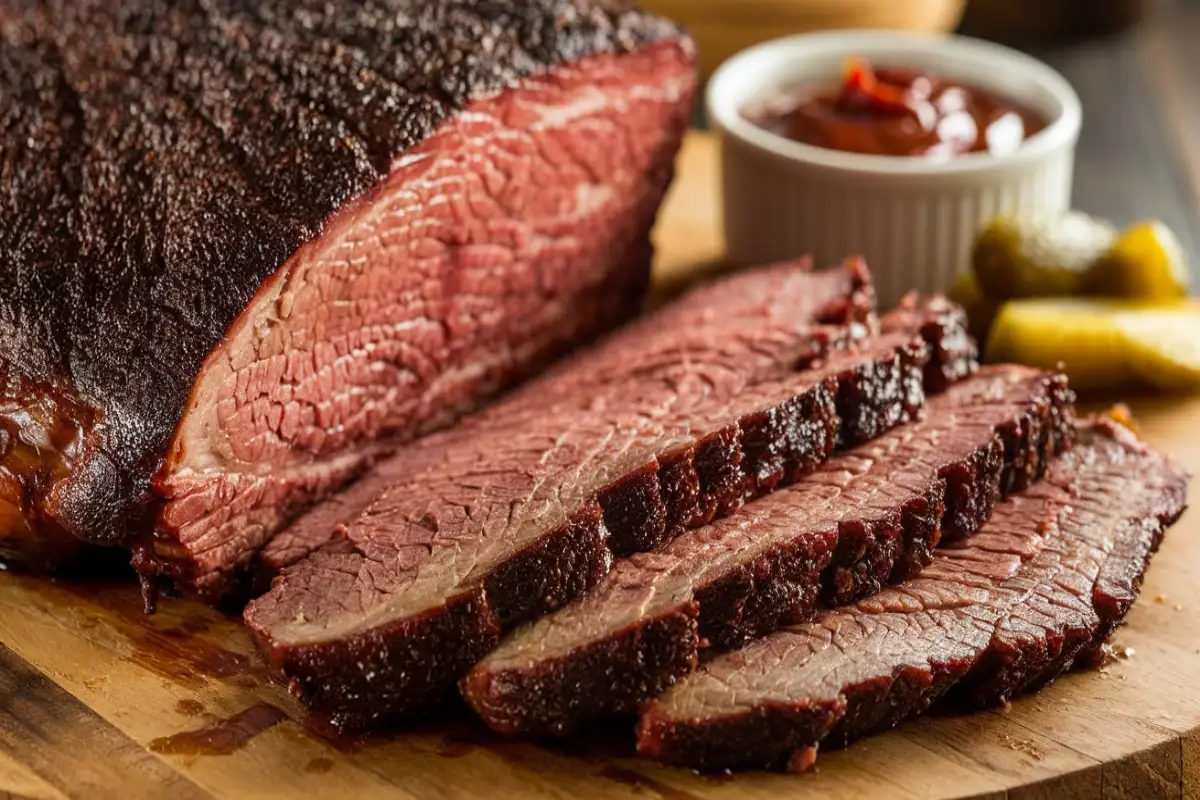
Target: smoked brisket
[
  {"x": 1036, "y": 591},
  {"x": 520, "y": 509},
  {"x": 249, "y": 246},
  {"x": 745, "y": 328},
  {"x": 863, "y": 519}
]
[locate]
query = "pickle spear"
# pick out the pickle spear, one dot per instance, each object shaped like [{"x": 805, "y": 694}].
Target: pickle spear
[
  {"x": 1103, "y": 343},
  {"x": 1163, "y": 347}
]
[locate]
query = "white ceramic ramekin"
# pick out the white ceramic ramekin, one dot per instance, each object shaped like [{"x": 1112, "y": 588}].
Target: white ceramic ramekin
[{"x": 912, "y": 219}]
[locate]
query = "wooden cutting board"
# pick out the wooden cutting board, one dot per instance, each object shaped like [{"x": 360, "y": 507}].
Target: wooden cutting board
[{"x": 98, "y": 700}]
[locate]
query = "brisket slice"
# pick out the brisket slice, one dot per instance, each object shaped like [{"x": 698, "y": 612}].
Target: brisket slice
[
  {"x": 499, "y": 523},
  {"x": 746, "y": 327},
  {"x": 864, "y": 518},
  {"x": 1044, "y": 583},
  {"x": 953, "y": 353},
  {"x": 247, "y": 244}
]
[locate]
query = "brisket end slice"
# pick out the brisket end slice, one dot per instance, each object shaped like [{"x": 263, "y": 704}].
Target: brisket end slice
[
  {"x": 501, "y": 493},
  {"x": 1046, "y": 581},
  {"x": 250, "y": 246},
  {"x": 865, "y": 518}
]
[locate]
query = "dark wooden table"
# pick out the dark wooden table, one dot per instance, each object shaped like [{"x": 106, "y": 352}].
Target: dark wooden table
[{"x": 1139, "y": 153}]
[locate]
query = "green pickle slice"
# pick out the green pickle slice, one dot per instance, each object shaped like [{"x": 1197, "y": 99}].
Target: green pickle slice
[
  {"x": 1051, "y": 256},
  {"x": 1146, "y": 262}
]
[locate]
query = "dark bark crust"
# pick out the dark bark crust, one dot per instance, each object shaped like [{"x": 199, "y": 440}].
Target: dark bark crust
[
  {"x": 559, "y": 567},
  {"x": 609, "y": 677},
  {"x": 694, "y": 486},
  {"x": 954, "y": 354},
  {"x": 1061, "y": 614},
  {"x": 838, "y": 565},
  {"x": 162, "y": 159}
]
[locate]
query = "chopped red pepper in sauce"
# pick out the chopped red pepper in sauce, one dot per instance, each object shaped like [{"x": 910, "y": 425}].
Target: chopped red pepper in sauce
[{"x": 898, "y": 111}]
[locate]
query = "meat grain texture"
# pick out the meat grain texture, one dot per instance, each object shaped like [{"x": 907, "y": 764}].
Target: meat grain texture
[
  {"x": 866, "y": 518},
  {"x": 518, "y": 510},
  {"x": 249, "y": 245},
  {"x": 730, "y": 332},
  {"x": 1037, "y": 591}
]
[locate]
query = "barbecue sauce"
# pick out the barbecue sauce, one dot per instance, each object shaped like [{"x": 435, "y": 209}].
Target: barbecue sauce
[
  {"x": 894, "y": 111},
  {"x": 221, "y": 738}
]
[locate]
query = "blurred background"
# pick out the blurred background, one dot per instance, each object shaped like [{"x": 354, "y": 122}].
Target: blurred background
[{"x": 1134, "y": 63}]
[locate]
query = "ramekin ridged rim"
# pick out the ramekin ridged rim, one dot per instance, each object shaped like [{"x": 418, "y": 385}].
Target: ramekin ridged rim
[{"x": 733, "y": 87}]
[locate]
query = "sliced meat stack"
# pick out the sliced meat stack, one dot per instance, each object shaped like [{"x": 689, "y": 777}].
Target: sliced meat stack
[
  {"x": 249, "y": 245},
  {"x": 713, "y": 342},
  {"x": 864, "y": 518},
  {"x": 1038, "y": 590},
  {"x": 732, "y": 391}
]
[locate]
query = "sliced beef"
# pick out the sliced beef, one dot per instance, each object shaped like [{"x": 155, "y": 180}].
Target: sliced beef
[
  {"x": 745, "y": 328},
  {"x": 520, "y": 509},
  {"x": 953, "y": 354},
  {"x": 1044, "y": 583},
  {"x": 248, "y": 246},
  {"x": 864, "y": 518}
]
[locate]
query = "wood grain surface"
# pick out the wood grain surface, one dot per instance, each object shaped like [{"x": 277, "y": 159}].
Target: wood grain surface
[{"x": 98, "y": 700}]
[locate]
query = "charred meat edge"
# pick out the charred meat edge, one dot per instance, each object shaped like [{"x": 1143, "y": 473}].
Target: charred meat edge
[
  {"x": 839, "y": 563},
  {"x": 1053, "y": 573},
  {"x": 420, "y": 658}
]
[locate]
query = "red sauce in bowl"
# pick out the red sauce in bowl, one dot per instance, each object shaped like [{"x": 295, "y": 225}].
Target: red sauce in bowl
[{"x": 896, "y": 111}]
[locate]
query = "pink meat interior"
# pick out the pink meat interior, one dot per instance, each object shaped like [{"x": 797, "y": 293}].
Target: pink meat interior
[{"x": 519, "y": 228}]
